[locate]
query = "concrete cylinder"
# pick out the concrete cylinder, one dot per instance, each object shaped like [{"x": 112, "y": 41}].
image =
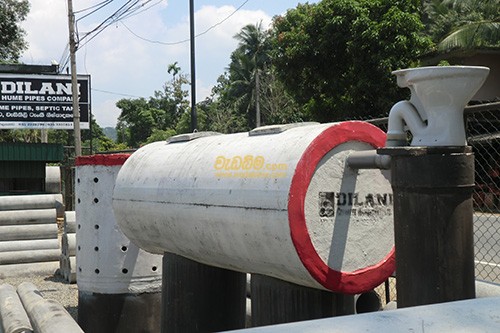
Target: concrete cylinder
[
  {"x": 18, "y": 257},
  {"x": 433, "y": 223},
  {"x": 28, "y": 216},
  {"x": 119, "y": 284},
  {"x": 38, "y": 201},
  {"x": 47, "y": 315},
  {"x": 53, "y": 179},
  {"x": 27, "y": 232},
  {"x": 29, "y": 245},
  {"x": 14, "y": 318},
  {"x": 276, "y": 201}
]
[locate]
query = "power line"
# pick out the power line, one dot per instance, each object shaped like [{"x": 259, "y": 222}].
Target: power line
[
  {"x": 185, "y": 40},
  {"x": 115, "y": 93}
]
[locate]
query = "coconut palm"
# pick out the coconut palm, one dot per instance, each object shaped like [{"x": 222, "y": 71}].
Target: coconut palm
[
  {"x": 463, "y": 24},
  {"x": 252, "y": 56}
]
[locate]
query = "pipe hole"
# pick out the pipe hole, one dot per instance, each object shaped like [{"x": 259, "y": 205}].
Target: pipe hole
[
  {"x": 79, "y": 226},
  {"x": 96, "y": 180},
  {"x": 79, "y": 248},
  {"x": 124, "y": 271},
  {"x": 78, "y": 180},
  {"x": 124, "y": 248},
  {"x": 96, "y": 200},
  {"x": 79, "y": 269},
  {"x": 154, "y": 268},
  {"x": 96, "y": 248},
  {"x": 79, "y": 200},
  {"x": 97, "y": 271},
  {"x": 96, "y": 226}
]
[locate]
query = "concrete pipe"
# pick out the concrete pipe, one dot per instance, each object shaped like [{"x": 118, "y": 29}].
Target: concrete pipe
[
  {"x": 22, "y": 257},
  {"x": 70, "y": 222},
  {"x": 37, "y": 268},
  {"x": 38, "y": 201},
  {"x": 53, "y": 179},
  {"x": 68, "y": 244},
  {"x": 27, "y": 232},
  {"x": 119, "y": 284},
  {"x": 14, "y": 318},
  {"x": 276, "y": 201},
  {"x": 28, "y": 216},
  {"x": 47, "y": 315},
  {"x": 29, "y": 245}
]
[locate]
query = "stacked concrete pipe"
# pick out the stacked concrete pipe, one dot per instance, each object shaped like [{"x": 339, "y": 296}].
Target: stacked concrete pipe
[
  {"x": 68, "y": 247},
  {"x": 119, "y": 285},
  {"x": 25, "y": 310},
  {"x": 29, "y": 233}
]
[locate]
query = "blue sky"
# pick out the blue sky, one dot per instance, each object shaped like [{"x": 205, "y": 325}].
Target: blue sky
[{"x": 129, "y": 58}]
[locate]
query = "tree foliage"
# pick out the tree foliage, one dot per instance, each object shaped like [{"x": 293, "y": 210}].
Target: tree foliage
[
  {"x": 12, "y": 42},
  {"x": 336, "y": 57},
  {"x": 463, "y": 24}
]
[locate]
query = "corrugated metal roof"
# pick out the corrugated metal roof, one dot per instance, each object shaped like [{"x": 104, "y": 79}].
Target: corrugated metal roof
[{"x": 47, "y": 152}]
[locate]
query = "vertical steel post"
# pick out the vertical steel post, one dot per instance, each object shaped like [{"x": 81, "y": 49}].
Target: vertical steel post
[
  {"x": 201, "y": 298},
  {"x": 194, "y": 118},
  {"x": 433, "y": 228}
]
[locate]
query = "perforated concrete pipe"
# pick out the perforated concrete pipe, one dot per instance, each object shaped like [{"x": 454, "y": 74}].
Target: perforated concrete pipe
[
  {"x": 277, "y": 201},
  {"x": 119, "y": 284}
]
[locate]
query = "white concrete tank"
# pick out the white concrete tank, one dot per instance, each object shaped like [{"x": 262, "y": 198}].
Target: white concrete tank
[{"x": 278, "y": 201}]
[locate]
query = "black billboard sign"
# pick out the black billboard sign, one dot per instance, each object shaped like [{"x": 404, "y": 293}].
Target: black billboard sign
[{"x": 42, "y": 101}]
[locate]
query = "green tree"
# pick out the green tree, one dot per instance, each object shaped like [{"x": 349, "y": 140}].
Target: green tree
[
  {"x": 142, "y": 119},
  {"x": 12, "y": 42},
  {"x": 248, "y": 61},
  {"x": 336, "y": 57},
  {"x": 463, "y": 24}
]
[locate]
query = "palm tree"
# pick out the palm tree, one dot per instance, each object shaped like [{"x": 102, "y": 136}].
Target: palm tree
[
  {"x": 463, "y": 24},
  {"x": 252, "y": 55}
]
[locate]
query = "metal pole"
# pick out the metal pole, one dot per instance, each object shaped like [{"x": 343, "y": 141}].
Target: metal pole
[
  {"x": 74, "y": 81},
  {"x": 194, "y": 117},
  {"x": 433, "y": 223}
]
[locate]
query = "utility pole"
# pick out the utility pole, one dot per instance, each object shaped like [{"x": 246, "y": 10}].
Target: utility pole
[
  {"x": 74, "y": 81},
  {"x": 194, "y": 118}
]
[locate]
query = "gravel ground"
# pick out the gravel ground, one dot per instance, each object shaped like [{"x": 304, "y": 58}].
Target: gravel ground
[{"x": 52, "y": 286}]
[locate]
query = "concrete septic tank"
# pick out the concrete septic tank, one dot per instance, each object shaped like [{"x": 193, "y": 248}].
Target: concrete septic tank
[
  {"x": 119, "y": 284},
  {"x": 277, "y": 201}
]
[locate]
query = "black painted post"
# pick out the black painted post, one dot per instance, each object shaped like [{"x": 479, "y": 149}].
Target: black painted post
[
  {"x": 201, "y": 298},
  {"x": 433, "y": 213},
  {"x": 276, "y": 301}
]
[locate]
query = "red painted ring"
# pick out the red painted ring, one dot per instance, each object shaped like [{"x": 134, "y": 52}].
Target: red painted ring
[
  {"x": 102, "y": 159},
  {"x": 354, "y": 282}
]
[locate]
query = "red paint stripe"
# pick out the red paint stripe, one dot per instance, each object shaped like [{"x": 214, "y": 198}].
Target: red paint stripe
[
  {"x": 102, "y": 159},
  {"x": 343, "y": 282}
]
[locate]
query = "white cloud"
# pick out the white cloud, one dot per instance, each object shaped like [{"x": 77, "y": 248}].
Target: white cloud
[{"x": 121, "y": 62}]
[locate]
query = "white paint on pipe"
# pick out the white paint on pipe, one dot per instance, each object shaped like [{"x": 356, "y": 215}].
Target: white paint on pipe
[
  {"x": 29, "y": 245},
  {"x": 28, "y": 216},
  {"x": 47, "y": 315},
  {"x": 13, "y": 317},
  {"x": 20, "y": 257},
  {"x": 282, "y": 204},
  {"x": 27, "y": 232},
  {"x": 476, "y": 315},
  {"x": 107, "y": 262}
]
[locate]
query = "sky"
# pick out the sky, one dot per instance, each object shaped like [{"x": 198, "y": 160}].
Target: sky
[{"x": 130, "y": 58}]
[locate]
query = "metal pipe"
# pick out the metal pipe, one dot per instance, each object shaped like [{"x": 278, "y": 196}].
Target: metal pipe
[{"x": 368, "y": 159}]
